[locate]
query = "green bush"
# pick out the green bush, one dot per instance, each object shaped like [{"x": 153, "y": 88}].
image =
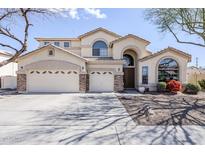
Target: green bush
[
  {"x": 192, "y": 89},
  {"x": 202, "y": 84},
  {"x": 161, "y": 86}
]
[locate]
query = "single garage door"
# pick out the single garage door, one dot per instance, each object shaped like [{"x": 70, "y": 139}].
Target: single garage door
[
  {"x": 53, "y": 81},
  {"x": 101, "y": 81}
]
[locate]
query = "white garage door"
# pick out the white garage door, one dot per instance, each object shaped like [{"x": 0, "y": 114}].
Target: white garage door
[
  {"x": 53, "y": 81},
  {"x": 101, "y": 81}
]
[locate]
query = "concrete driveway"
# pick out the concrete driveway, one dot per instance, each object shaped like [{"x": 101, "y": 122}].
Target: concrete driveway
[
  {"x": 61, "y": 119},
  {"x": 81, "y": 119}
]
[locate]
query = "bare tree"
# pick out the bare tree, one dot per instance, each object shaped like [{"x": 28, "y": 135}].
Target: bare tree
[
  {"x": 188, "y": 21},
  {"x": 8, "y": 27}
]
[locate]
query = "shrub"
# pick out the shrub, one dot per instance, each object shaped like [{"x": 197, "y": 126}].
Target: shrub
[
  {"x": 202, "y": 84},
  {"x": 161, "y": 86},
  {"x": 192, "y": 89},
  {"x": 174, "y": 86}
]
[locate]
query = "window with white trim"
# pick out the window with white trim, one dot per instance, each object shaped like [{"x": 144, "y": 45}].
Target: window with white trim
[
  {"x": 66, "y": 44},
  {"x": 144, "y": 74},
  {"x": 57, "y": 44},
  {"x": 46, "y": 43},
  {"x": 100, "y": 49},
  {"x": 168, "y": 69}
]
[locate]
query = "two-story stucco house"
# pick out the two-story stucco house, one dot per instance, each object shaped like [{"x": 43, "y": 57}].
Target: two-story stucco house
[{"x": 98, "y": 61}]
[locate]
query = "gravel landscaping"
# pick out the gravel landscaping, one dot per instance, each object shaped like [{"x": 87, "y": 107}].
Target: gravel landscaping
[{"x": 163, "y": 109}]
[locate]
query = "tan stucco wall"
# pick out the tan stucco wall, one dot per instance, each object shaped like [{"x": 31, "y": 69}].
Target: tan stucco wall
[
  {"x": 87, "y": 43},
  {"x": 153, "y": 67},
  {"x": 129, "y": 43},
  {"x": 43, "y": 55}
]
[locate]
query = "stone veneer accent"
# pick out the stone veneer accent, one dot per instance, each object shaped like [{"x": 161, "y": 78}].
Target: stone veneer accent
[
  {"x": 84, "y": 82},
  {"x": 21, "y": 82},
  {"x": 118, "y": 83}
]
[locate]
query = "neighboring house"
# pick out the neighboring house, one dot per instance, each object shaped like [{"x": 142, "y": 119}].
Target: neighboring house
[
  {"x": 7, "y": 71},
  {"x": 97, "y": 61},
  {"x": 195, "y": 74}
]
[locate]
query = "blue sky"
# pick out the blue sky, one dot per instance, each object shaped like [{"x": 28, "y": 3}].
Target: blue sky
[{"x": 121, "y": 21}]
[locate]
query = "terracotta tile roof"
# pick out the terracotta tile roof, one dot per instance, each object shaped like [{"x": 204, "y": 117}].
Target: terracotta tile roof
[
  {"x": 55, "y": 39},
  {"x": 51, "y": 45},
  {"x": 132, "y": 36},
  {"x": 166, "y": 50},
  {"x": 96, "y": 30}
]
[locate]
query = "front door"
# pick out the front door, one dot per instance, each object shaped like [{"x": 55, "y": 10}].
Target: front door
[{"x": 129, "y": 77}]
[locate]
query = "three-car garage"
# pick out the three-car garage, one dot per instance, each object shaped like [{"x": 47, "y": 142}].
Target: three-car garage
[{"x": 68, "y": 81}]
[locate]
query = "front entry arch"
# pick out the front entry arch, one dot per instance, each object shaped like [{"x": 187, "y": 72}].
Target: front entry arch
[{"x": 129, "y": 69}]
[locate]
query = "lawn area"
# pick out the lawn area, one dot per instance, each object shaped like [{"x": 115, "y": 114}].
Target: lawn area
[{"x": 162, "y": 109}]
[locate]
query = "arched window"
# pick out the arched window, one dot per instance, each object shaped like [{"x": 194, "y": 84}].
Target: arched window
[
  {"x": 100, "y": 49},
  {"x": 168, "y": 69},
  {"x": 128, "y": 60}
]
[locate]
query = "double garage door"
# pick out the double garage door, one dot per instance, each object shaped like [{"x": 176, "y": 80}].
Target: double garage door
[
  {"x": 53, "y": 81},
  {"x": 68, "y": 81}
]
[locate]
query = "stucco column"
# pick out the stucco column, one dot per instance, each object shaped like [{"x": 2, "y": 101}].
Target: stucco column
[
  {"x": 21, "y": 83},
  {"x": 84, "y": 82},
  {"x": 118, "y": 83}
]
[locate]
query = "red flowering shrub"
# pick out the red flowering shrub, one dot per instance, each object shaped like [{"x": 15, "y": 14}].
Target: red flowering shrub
[{"x": 174, "y": 86}]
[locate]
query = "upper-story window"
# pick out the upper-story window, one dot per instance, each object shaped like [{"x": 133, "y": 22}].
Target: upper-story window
[
  {"x": 46, "y": 43},
  {"x": 66, "y": 44},
  {"x": 100, "y": 49},
  {"x": 57, "y": 44}
]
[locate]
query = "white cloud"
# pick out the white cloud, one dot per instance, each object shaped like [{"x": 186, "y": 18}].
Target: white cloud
[
  {"x": 95, "y": 12},
  {"x": 78, "y": 13},
  {"x": 74, "y": 14}
]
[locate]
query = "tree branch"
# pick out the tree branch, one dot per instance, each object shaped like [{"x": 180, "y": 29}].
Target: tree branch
[
  {"x": 7, "y": 33},
  {"x": 25, "y": 14},
  {"x": 185, "y": 42},
  {"x": 8, "y": 46},
  {"x": 8, "y": 13}
]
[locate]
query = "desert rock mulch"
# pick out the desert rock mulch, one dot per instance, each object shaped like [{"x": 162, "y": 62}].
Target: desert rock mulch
[{"x": 161, "y": 109}]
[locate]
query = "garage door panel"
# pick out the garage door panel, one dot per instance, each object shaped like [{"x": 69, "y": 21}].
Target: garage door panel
[
  {"x": 101, "y": 81},
  {"x": 53, "y": 81}
]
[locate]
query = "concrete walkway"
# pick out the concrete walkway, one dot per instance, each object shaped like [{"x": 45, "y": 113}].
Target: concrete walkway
[{"x": 81, "y": 119}]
